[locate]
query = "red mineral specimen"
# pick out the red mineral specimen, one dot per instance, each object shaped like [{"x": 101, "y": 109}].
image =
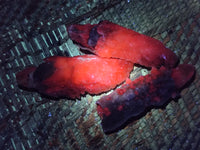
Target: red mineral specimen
[
  {"x": 152, "y": 90},
  {"x": 74, "y": 76},
  {"x": 110, "y": 40}
]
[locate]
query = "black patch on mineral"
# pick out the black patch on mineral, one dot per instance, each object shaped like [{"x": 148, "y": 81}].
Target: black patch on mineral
[
  {"x": 93, "y": 37},
  {"x": 43, "y": 71}
]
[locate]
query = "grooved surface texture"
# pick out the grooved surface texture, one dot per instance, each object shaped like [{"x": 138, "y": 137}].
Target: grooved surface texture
[{"x": 33, "y": 30}]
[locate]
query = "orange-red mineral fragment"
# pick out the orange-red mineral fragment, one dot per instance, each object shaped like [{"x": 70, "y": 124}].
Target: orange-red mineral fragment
[
  {"x": 74, "y": 76},
  {"x": 111, "y": 40},
  {"x": 139, "y": 96}
]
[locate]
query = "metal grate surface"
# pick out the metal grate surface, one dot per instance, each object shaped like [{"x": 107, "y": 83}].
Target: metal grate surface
[{"x": 31, "y": 31}]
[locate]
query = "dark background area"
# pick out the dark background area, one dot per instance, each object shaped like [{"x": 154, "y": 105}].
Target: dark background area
[{"x": 33, "y": 30}]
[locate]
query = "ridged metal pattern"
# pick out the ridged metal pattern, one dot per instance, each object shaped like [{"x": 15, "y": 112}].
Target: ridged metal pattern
[{"x": 31, "y": 31}]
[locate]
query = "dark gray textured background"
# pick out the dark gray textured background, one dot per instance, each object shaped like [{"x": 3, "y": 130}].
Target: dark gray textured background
[{"x": 31, "y": 31}]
